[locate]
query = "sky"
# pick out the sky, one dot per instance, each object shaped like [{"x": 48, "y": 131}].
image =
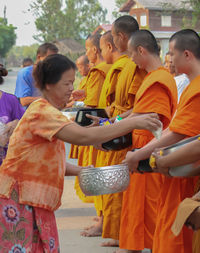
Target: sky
[{"x": 18, "y": 14}]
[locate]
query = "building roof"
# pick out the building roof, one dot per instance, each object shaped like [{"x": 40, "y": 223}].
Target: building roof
[
  {"x": 102, "y": 28},
  {"x": 153, "y": 4},
  {"x": 69, "y": 45}
]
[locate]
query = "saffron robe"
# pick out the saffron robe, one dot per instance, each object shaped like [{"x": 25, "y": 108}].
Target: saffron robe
[
  {"x": 123, "y": 88},
  {"x": 73, "y": 154},
  {"x": 174, "y": 190},
  {"x": 158, "y": 94}
]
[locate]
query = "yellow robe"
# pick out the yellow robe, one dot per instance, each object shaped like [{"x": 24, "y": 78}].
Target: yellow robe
[
  {"x": 124, "y": 83},
  {"x": 73, "y": 154},
  {"x": 87, "y": 154}
]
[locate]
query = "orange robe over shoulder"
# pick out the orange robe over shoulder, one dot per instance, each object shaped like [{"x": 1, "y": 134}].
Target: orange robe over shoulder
[
  {"x": 158, "y": 94},
  {"x": 174, "y": 190},
  {"x": 87, "y": 154},
  {"x": 123, "y": 87}
]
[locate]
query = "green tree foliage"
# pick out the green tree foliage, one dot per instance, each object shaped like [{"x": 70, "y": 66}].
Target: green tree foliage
[
  {"x": 16, "y": 55},
  {"x": 56, "y": 19},
  {"x": 7, "y": 37},
  {"x": 195, "y": 4},
  {"x": 119, "y": 4}
]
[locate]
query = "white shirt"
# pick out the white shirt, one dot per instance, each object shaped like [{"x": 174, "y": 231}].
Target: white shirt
[{"x": 182, "y": 81}]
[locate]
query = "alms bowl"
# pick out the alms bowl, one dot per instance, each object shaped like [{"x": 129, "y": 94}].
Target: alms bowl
[
  {"x": 83, "y": 120},
  {"x": 71, "y": 112},
  {"x": 104, "y": 180},
  {"x": 188, "y": 170},
  {"x": 118, "y": 143}
]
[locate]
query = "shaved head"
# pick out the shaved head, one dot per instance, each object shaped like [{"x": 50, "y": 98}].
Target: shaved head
[
  {"x": 82, "y": 60},
  {"x": 82, "y": 64},
  {"x": 187, "y": 39},
  {"x": 95, "y": 40},
  {"x": 145, "y": 39},
  {"x": 107, "y": 36},
  {"x": 126, "y": 24}
]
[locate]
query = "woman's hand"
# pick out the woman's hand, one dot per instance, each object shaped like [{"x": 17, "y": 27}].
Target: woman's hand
[
  {"x": 132, "y": 161},
  {"x": 149, "y": 121}
]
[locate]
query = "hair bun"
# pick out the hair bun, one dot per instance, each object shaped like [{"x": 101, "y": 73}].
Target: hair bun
[{"x": 3, "y": 71}]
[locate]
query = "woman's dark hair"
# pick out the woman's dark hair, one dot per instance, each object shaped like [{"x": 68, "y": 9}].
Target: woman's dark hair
[
  {"x": 50, "y": 70},
  {"x": 3, "y": 72}
]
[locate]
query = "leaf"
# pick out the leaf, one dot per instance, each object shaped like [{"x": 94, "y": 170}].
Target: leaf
[
  {"x": 26, "y": 241},
  {"x": 14, "y": 196},
  {"x": 8, "y": 236}
]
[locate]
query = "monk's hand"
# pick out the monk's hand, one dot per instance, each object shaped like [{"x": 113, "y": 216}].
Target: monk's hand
[
  {"x": 159, "y": 163},
  {"x": 131, "y": 161},
  {"x": 148, "y": 121},
  {"x": 196, "y": 196},
  {"x": 193, "y": 221},
  {"x": 99, "y": 147},
  {"x": 78, "y": 94}
]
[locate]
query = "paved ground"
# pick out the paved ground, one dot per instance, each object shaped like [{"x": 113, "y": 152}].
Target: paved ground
[{"x": 73, "y": 215}]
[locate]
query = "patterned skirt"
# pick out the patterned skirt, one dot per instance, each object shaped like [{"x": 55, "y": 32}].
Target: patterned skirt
[{"x": 26, "y": 229}]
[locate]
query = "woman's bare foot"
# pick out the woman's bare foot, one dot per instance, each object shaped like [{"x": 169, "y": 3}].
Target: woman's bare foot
[{"x": 111, "y": 243}]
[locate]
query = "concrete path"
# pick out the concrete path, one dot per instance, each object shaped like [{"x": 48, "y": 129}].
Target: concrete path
[{"x": 71, "y": 218}]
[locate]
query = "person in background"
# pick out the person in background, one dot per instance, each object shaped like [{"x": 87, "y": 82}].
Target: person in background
[
  {"x": 36, "y": 152},
  {"x": 10, "y": 113},
  {"x": 25, "y": 89},
  {"x": 182, "y": 80},
  {"x": 82, "y": 64},
  {"x": 27, "y": 62},
  {"x": 167, "y": 61}
]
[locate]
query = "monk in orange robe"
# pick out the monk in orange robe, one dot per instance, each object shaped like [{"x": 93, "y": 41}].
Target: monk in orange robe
[
  {"x": 158, "y": 93},
  {"x": 118, "y": 92},
  {"x": 185, "y": 52},
  {"x": 94, "y": 82}
]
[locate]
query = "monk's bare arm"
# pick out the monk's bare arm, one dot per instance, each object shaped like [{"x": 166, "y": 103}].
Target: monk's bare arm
[
  {"x": 187, "y": 154},
  {"x": 123, "y": 115},
  {"x": 167, "y": 139}
]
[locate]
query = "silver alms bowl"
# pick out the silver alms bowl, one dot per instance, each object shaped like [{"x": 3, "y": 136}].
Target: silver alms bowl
[
  {"x": 104, "y": 180},
  {"x": 188, "y": 170}
]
